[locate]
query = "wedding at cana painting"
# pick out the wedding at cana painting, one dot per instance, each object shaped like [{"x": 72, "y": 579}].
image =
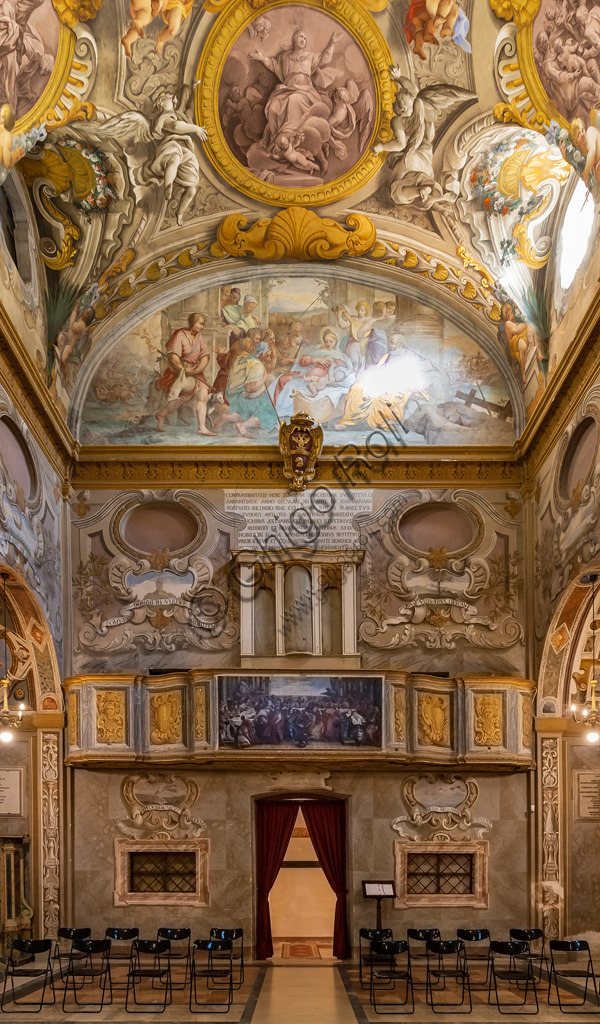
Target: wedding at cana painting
[
  {"x": 227, "y": 366},
  {"x": 303, "y": 711}
]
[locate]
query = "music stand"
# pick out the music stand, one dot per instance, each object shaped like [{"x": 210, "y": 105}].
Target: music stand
[{"x": 379, "y": 891}]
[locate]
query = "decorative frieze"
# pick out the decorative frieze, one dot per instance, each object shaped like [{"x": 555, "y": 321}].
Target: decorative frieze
[{"x": 50, "y": 833}]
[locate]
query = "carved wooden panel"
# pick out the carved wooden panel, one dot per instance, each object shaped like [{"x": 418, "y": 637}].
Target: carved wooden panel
[
  {"x": 200, "y": 731},
  {"x": 489, "y": 720},
  {"x": 166, "y": 717},
  {"x": 111, "y": 722},
  {"x": 433, "y": 718}
]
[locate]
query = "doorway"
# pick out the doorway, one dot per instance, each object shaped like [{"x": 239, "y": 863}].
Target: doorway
[
  {"x": 302, "y": 902},
  {"x": 310, "y": 901}
]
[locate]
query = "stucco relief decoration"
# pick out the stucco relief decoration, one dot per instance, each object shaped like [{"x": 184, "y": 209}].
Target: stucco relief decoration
[
  {"x": 147, "y": 584},
  {"x": 488, "y": 715},
  {"x": 280, "y": 143},
  {"x": 160, "y": 807},
  {"x": 462, "y": 582},
  {"x": 568, "y": 511},
  {"x": 200, "y": 730},
  {"x": 50, "y": 834},
  {"x": 30, "y": 534},
  {"x": 440, "y": 806},
  {"x": 166, "y": 717},
  {"x": 551, "y": 889},
  {"x": 46, "y": 66},
  {"x": 110, "y": 716},
  {"x": 433, "y": 719}
]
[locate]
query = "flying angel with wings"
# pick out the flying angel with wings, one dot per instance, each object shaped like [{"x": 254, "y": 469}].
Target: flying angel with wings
[
  {"x": 417, "y": 112},
  {"x": 158, "y": 153}
]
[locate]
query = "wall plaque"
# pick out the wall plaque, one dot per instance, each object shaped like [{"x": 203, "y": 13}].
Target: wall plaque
[
  {"x": 11, "y": 791},
  {"x": 587, "y": 796}
]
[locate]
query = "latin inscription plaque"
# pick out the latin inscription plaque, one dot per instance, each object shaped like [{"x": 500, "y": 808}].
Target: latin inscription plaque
[{"x": 587, "y": 796}]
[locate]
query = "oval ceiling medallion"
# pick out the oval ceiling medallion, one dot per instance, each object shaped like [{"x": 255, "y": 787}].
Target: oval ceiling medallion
[
  {"x": 579, "y": 459},
  {"x": 158, "y": 525},
  {"x": 17, "y": 460},
  {"x": 294, "y": 97},
  {"x": 438, "y": 525}
]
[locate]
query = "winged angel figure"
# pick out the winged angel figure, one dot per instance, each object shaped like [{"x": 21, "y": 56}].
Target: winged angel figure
[
  {"x": 158, "y": 153},
  {"x": 417, "y": 113}
]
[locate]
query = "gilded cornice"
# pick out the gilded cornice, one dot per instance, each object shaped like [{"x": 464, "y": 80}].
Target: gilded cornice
[
  {"x": 262, "y": 467},
  {"x": 22, "y": 380}
]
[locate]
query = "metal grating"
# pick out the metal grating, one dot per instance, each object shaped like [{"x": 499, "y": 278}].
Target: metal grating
[
  {"x": 162, "y": 872},
  {"x": 440, "y": 874}
]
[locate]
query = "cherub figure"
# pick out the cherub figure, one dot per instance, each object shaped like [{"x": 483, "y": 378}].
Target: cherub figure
[
  {"x": 587, "y": 141},
  {"x": 416, "y": 114},
  {"x": 284, "y": 149},
  {"x": 142, "y": 12},
  {"x": 160, "y": 153},
  {"x": 10, "y": 151},
  {"x": 425, "y": 17}
]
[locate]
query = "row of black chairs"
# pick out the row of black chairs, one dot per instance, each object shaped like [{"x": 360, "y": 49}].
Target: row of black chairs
[
  {"x": 518, "y": 962},
  {"x": 80, "y": 960}
]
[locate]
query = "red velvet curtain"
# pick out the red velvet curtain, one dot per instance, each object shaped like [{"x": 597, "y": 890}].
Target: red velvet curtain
[
  {"x": 326, "y": 823},
  {"x": 274, "y": 826}
]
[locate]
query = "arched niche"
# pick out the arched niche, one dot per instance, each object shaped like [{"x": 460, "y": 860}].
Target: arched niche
[
  {"x": 33, "y": 663},
  {"x": 565, "y": 639}
]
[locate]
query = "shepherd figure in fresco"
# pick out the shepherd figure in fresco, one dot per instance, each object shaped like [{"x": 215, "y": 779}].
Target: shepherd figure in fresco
[{"x": 183, "y": 381}]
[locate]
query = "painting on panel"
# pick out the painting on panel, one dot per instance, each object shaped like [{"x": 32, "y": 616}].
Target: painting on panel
[
  {"x": 296, "y": 98},
  {"x": 227, "y": 366},
  {"x": 307, "y": 712},
  {"x": 29, "y": 31}
]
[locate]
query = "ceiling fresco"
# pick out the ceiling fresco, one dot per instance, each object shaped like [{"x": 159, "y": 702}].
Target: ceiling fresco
[{"x": 174, "y": 158}]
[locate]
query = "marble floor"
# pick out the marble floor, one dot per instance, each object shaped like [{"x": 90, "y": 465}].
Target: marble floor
[{"x": 300, "y": 993}]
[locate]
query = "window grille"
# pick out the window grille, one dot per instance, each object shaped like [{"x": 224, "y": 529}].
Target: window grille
[
  {"x": 439, "y": 874},
  {"x": 162, "y": 872}
]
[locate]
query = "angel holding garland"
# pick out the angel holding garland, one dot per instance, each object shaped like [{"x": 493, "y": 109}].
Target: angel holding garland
[{"x": 158, "y": 153}]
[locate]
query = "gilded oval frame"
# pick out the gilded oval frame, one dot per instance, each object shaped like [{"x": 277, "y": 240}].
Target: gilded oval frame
[
  {"x": 541, "y": 110},
  {"x": 44, "y": 106},
  {"x": 229, "y": 26}
]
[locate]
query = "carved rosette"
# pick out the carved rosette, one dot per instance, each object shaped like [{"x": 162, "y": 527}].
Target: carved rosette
[
  {"x": 166, "y": 717},
  {"x": 50, "y": 834},
  {"x": 110, "y": 716},
  {"x": 488, "y": 720}
]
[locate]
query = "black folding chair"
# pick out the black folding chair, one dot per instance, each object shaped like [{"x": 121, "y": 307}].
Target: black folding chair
[
  {"x": 518, "y": 970},
  {"x": 233, "y": 935},
  {"x": 121, "y": 956},
  {"x": 385, "y": 970},
  {"x": 439, "y": 970},
  {"x": 477, "y": 952},
  {"x": 418, "y": 953},
  {"x": 366, "y": 938},
  {"x": 149, "y": 961},
  {"x": 89, "y": 961},
  {"x": 63, "y": 947},
  {"x": 220, "y": 973},
  {"x": 181, "y": 950},
  {"x": 26, "y": 967},
  {"x": 535, "y": 939},
  {"x": 581, "y": 967}
]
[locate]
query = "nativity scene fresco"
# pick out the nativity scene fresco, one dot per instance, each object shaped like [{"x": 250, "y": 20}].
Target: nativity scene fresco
[{"x": 229, "y": 365}]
